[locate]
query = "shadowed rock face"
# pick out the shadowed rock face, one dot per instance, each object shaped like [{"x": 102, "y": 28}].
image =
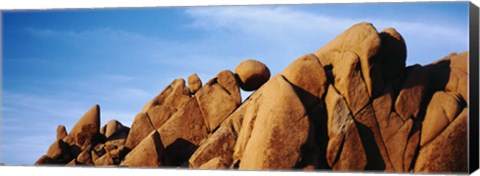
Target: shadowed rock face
[{"x": 352, "y": 105}]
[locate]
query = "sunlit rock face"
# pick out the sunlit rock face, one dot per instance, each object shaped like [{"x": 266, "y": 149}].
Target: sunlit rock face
[{"x": 352, "y": 105}]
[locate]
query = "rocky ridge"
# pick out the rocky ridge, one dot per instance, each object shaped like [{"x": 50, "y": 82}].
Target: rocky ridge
[{"x": 352, "y": 105}]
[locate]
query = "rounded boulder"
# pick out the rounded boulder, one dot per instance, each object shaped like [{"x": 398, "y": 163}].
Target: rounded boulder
[{"x": 252, "y": 74}]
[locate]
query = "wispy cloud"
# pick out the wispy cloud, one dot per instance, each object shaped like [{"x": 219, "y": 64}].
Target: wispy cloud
[{"x": 281, "y": 25}]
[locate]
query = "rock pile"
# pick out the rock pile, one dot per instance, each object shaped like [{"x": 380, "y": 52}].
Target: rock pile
[{"x": 353, "y": 105}]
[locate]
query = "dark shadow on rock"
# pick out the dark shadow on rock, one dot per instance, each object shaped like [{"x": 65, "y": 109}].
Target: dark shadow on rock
[
  {"x": 374, "y": 158},
  {"x": 119, "y": 134},
  {"x": 313, "y": 152},
  {"x": 180, "y": 151}
]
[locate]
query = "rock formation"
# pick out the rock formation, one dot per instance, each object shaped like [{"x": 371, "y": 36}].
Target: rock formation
[{"x": 352, "y": 105}]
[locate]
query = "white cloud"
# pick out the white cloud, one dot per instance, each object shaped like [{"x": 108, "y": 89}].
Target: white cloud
[{"x": 289, "y": 28}]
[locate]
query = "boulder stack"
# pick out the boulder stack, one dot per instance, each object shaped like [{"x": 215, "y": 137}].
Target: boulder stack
[{"x": 352, "y": 105}]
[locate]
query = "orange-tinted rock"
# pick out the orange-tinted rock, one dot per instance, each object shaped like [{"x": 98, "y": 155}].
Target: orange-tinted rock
[
  {"x": 372, "y": 140},
  {"x": 44, "y": 160},
  {"x": 349, "y": 81},
  {"x": 87, "y": 128},
  {"x": 397, "y": 144},
  {"x": 104, "y": 160},
  {"x": 307, "y": 74},
  {"x": 61, "y": 132},
  {"x": 194, "y": 83},
  {"x": 412, "y": 145},
  {"x": 160, "y": 114},
  {"x": 345, "y": 143},
  {"x": 85, "y": 157},
  {"x": 215, "y": 163},
  {"x": 175, "y": 94},
  {"x": 216, "y": 103},
  {"x": 182, "y": 134},
  {"x": 167, "y": 102},
  {"x": 244, "y": 132},
  {"x": 448, "y": 152},
  {"x": 112, "y": 126},
  {"x": 393, "y": 53},
  {"x": 147, "y": 106},
  {"x": 450, "y": 74},
  {"x": 222, "y": 142},
  {"x": 443, "y": 108},
  {"x": 280, "y": 130},
  {"x": 363, "y": 40},
  {"x": 149, "y": 153},
  {"x": 382, "y": 105},
  {"x": 141, "y": 127},
  {"x": 59, "y": 151},
  {"x": 352, "y": 155},
  {"x": 412, "y": 92},
  {"x": 229, "y": 82},
  {"x": 252, "y": 74}
]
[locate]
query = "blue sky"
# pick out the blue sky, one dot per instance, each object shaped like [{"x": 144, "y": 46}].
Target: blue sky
[{"x": 56, "y": 64}]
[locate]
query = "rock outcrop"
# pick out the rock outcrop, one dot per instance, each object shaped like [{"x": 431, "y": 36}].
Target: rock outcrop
[{"x": 352, "y": 105}]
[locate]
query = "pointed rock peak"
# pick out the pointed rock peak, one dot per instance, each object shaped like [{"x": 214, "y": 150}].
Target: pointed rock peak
[
  {"x": 61, "y": 132},
  {"x": 87, "y": 127},
  {"x": 141, "y": 127}
]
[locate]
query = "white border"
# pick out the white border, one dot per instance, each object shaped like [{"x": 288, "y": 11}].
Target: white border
[
  {"x": 76, "y": 4},
  {"x": 88, "y": 4}
]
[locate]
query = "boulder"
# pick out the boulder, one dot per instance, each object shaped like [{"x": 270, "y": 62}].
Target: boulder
[
  {"x": 215, "y": 163},
  {"x": 309, "y": 77},
  {"x": 216, "y": 103},
  {"x": 104, "y": 160},
  {"x": 61, "y": 132},
  {"x": 141, "y": 127},
  {"x": 194, "y": 83},
  {"x": 44, "y": 160},
  {"x": 412, "y": 145},
  {"x": 167, "y": 102},
  {"x": 382, "y": 105},
  {"x": 222, "y": 142},
  {"x": 182, "y": 134},
  {"x": 229, "y": 82},
  {"x": 448, "y": 152},
  {"x": 441, "y": 111},
  {"x": 412, "y": 92},
  {"x": 160, "y": 114},
  {"x": 175, "y": 94},
  {"x": 149, "y": 153},
  {"x": 352, "y": 154},
  {"x": 377, "y": 155},
  {"x": 252, "y": 74},
  {"x": 247, "y": 124},
  {"x": 87, "y": 128},
  {"x": 363, "y": 40},
  {"x": 349, "y": 82},
  {"x": 393, "y": 53},
  {"x": 450, "y": 74},
  {"x": 397, "y": 144},
  {"x": 345, "y": 143},
  {"x": 85, "y": 157},
  {"x": 113, "y": 126},
  {"x": 280, "y": 130},
  {"x": 60, "y": 152},
  {"x": 118, "y": 154}
]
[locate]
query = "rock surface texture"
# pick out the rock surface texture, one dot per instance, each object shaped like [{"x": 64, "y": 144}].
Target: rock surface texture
[{"x": 352, "y": 105}]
